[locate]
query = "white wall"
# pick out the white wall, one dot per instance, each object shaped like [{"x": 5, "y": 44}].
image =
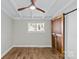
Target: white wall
[
  {"x": 31, "y": 39},
  {"x": 70, "y": 7},
  {"x": 71, "y": 32},
  {"x": 71, "y": 35},
  {"x": 6, "y": 33}
]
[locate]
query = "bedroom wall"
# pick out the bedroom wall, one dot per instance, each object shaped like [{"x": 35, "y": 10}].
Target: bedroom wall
[
  {"x": 6, "y": 33},
  {"x": 24, "y": 38},
  {"x": 71, "y": 32},
  {"x": 71, "y": 35}
]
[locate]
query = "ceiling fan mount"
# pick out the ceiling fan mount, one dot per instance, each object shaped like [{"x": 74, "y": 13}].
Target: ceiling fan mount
[{"x": 32, "y": 7}]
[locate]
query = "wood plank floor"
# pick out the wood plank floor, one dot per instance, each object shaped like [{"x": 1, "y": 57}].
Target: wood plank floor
[{"x": 33, "y": 53}]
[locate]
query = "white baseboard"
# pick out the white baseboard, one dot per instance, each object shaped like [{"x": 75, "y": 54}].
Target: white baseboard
[
  {"x": 32, "y": 46},
  {"x": 6, "y": 51}
]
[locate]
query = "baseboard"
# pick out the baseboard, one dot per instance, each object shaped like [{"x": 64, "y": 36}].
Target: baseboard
[
  {"x": 32, "y": 46},
  {"x": 6, "y": 51}
]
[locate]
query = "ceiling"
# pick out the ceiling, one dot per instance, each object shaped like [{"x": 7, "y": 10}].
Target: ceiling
[{"x": 50, "y": 6}]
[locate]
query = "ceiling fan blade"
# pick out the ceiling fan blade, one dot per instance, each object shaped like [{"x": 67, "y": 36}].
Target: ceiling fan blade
[
  {"x": 23, "y": 8},
  {"x": 40, "y": 10},
  {"x": 33, "y": 2}
]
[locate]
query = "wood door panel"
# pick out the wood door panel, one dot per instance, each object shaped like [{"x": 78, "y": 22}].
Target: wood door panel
[
  {"x": 53, "y": 41},
  {"x": 57, "y": 26},
  {"x": 57, "y": 29},
  {"x": 59, "y": 44}
]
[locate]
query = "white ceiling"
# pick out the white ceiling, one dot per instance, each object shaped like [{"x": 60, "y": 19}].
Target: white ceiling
[{"x": 50, "y": 6}]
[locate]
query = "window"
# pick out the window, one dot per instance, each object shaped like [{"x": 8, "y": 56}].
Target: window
[{"x": 36, "y": 27}]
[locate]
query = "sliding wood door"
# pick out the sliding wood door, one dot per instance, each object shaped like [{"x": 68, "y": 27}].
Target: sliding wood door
[{"x": 57, "y": 24}]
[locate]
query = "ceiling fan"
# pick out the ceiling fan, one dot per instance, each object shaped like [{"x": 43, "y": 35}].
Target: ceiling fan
[{"x": 32, "y": 6}]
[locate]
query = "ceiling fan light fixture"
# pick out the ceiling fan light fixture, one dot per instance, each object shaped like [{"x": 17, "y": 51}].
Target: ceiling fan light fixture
[{"x": 32, "y": 7}]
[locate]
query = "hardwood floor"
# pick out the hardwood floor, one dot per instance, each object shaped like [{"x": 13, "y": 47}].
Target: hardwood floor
[{"x": 33, "y": 53}]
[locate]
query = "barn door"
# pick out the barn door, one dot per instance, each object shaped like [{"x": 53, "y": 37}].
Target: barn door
[{"x": 57, "y": 25}]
